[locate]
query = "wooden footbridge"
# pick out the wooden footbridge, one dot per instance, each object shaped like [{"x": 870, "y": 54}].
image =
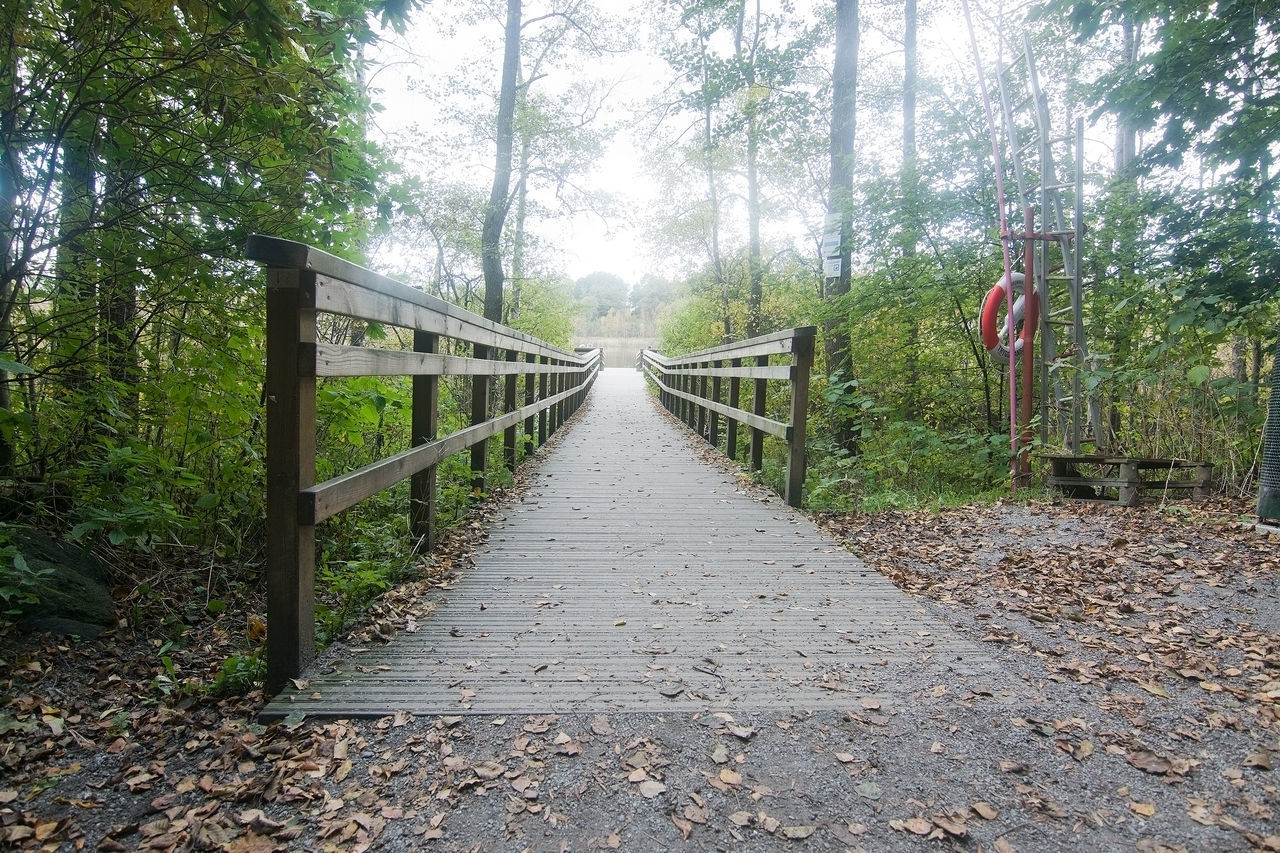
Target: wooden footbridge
[{"x": 634, "y": 574}]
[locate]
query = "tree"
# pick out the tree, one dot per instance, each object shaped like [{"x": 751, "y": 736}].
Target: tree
[
  {"x": 495, "y": 213},
  {"x": 840, "y": 204}
]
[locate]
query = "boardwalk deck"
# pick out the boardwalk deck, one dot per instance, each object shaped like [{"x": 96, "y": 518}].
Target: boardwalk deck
[{"x": 635, "y": 577}]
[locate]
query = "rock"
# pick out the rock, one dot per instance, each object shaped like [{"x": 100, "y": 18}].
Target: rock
[{"x": 71, "y": 586}]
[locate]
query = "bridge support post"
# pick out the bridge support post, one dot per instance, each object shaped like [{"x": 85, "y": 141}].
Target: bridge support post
[
  {"x": 758, "y": 407},
  {"x": 542, "y": 395},
  {"x": 714, "y": 436},
  {"x": 291, "y": 467},
  {"x": 509, "y": 405},
  {"x": 425, "y": 428},
  {"x": 802, "y": 364},
  {"x": 479, "y": 414},
  {"x": 702, "y": 394},
  {"x": 529, "y": 390},
  {"x": 731, "y": 424}
]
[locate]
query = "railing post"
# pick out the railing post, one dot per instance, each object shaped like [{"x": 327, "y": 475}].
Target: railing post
[
  {"x": 758, "y": 407},
  {"x": 714, "y": 437},
  {"x": 731, "y": 424},
  {"x": 425, "y": 427},
  {"x": 509, "y": 405},
  {"x": 291, "y": 467},
  {"x": 702, "y": 410},
  {"x": 479, "y": 414},
  {"x": 802, "y": 363},
  {"x": 530, "y": 388},
  {"x": 542, "y": 395}
]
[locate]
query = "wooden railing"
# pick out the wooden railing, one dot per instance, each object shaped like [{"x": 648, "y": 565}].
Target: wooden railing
[
  {"x": 692, "y": 387},
  {"x": 303, "y": 282}
]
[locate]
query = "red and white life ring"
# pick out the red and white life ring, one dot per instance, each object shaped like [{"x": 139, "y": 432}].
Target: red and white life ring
[{"x": 1021, "y": 323}]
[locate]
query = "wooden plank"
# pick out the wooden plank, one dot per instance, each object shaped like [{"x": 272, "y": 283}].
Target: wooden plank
[
  {"x": 291, "y": 466},
  {"x": 758, "y": 422},
  {"x": 338, "y": 493},
  {"x": 339, "y": 360},
  {"x": 803, "y": 355},
  {"x": 332, "y": 271},
  {"x": 425, "y": 428},
  {"x": 632, "y": 577},
  {"x": 784, "y": 372},
  {"x": 775, "y": 343}
]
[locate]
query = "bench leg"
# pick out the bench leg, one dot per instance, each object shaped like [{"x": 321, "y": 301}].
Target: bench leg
[
  {"x": 1204, "y": 481},
  {"x": 1129, "y": 491}
]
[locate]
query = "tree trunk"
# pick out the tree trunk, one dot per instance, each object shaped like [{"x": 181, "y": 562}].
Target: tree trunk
[
  {"x": 910, "y": 200},
  {"x": 840, "y": 204},
  {"x": 1126, "y": 148},
  {"x": 755, "y": 268},
  {"x": 495, "y": 213},
  {"x": 518, "y": 238}
]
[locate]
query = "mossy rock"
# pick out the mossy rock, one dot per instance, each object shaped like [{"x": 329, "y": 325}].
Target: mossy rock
[{"x": 71, "y": 585}]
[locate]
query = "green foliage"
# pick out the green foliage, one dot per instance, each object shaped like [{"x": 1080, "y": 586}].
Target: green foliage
[
  {"x": 19, "y": 582},
  {"x": 239, "y": 674}
]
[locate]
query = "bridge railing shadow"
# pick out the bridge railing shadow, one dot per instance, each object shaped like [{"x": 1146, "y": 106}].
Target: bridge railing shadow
[
  {"x": 692, "y": 387},
  {"x": 304, "y": 282}
]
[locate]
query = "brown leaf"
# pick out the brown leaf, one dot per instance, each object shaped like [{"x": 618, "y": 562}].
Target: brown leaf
[
  {"x": 1261, "y": 760},
  {"x": 740, "y": 818},
  {"x": 685, "y": 827},
  {"x": 951, "y": 825},
  {"x": 650, "y": 789},
  {"x": 730, "y": 776},
  {"x": 796, "y": 833},
  {"x": 986, "y": 811},
  {"x": 697, "y": 814},
  {"x": 1150, "y": 762},
  {"x": 1144, "y": 809},
  {"x": 914, "y": 825}
]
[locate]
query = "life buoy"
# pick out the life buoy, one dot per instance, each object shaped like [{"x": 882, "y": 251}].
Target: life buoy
[{"x": 1022, "y": 322}]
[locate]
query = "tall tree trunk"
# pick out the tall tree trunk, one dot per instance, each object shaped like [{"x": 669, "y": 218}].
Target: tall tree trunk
[
  {"x": 713, "y": 191},
  {"x": 495, "y": 213},
  {"x": 518, "y": 237},
  {"x": 910, "y": 202},
  {"x": 840, "y": 204},
  {"x": 755, "y": 267},
  {"x": 75, "y": 298},
  {"x": 1126, "y": 148},
  {"x": 9, "y": 159}
]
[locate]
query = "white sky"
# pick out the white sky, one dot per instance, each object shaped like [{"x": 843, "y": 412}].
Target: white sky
[{"x": 586, "y": 242}]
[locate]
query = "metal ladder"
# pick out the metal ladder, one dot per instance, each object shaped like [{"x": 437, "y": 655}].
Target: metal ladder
[{"x": 1057, "y": 227}]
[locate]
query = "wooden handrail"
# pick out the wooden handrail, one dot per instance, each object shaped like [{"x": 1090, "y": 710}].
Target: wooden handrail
[
  {"x": 304, "y": 282},
  {"x": 683, "y": 389}
]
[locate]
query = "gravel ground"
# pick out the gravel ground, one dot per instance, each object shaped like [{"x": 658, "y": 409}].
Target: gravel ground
[{"x": 1137, "y": 711}]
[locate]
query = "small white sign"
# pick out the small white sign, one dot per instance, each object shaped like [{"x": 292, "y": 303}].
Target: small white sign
[
  {"x": 831, "y": 268},
  {"x": 831, "y": 236}
]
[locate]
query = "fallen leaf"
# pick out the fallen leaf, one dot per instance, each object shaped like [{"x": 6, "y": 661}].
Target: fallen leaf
[
  {"x": 985, "y": 810},
  {"x": 650, "y": 788},
  {"x": 1150, "y": 762},
  {"x": 795, "y": 833},
  {"x": 1154, "y": 688},
  {"x": 914, "y": 825},
  {"x": 1144, "y": 809},
  {"x": 868, "y": 789},
  {"x": 685, "y": 827}
]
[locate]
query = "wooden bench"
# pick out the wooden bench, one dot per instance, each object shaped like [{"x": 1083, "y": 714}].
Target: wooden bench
[{"x": 1125, "y": 475}]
